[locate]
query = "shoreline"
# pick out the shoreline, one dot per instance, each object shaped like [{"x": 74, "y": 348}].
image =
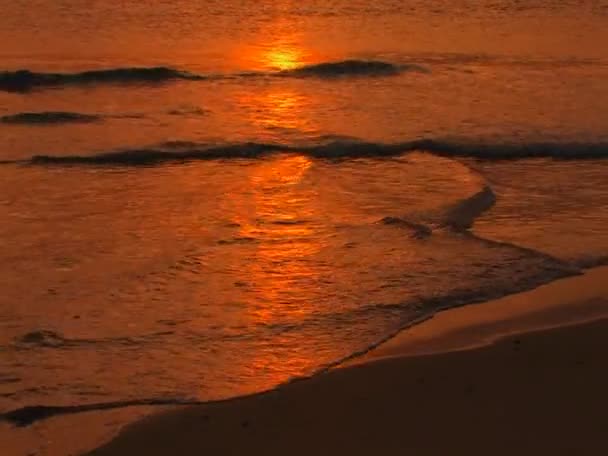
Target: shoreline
[
  {"x": 566, "y": 311},
  {"x": 567, "y": 301}
]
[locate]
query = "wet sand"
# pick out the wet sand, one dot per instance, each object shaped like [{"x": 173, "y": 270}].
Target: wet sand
[{"x": 537, "y": 386}]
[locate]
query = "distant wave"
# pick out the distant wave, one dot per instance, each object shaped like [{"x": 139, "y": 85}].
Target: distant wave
[
  {"x": 187, "y": 111},
  {"x": 451, "y": 58},
  {"x": 346, "y": 68},
  {"x": 49, "y": 117},
  {"x": 26, "y": 80},
  {"x": 340, "y": 149},
  {"x": 66, "y": 117}
]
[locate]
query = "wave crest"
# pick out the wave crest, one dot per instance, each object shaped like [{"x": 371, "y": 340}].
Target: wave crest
[
  {"x": 26, "y": 80},
  {"x": 347, "y": 68},
  {"x": 49, "y": 117},
  {"x": 341, "y": 149},
  {"x": 170, "y": 152},
  {"x": 462, "y": 215}
]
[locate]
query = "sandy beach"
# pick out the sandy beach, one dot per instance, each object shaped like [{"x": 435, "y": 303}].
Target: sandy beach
[{"x": 521, "y": 375}]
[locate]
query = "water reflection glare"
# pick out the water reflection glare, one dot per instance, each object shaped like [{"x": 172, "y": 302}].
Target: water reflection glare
[
  {"x": 285, "y": 214},
  {"x": 283, "y": 58}
]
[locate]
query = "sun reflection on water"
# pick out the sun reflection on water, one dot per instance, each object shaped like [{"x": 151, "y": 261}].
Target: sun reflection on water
[
  {"x": 280, "y": 215},
  {"x": 282, "y": 270},
  {"x": 283, "y": 58},
  {"x": 280, "y": 106},
  {"x": 284, "y": 223},
  {"x": 280, "y": 46},
  {"x": 280, "y": 111},
  {"x": 281, "y": 203}
]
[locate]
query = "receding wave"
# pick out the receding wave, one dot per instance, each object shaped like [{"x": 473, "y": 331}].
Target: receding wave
[
  {"x": 49, "y": 118},
  {"x": 418, "y": 230},
  {"x": 26, "y": 416},
  {"x": 461, "y": 216},
  {"x": 418, "y": 312},
  {"x": 341, "y": 149},
  {"x": 26, "y": 80},
  {"x": 347, "y": 68}
]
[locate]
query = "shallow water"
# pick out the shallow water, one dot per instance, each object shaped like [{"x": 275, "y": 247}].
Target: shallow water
[{"x": 206, "y": 199}]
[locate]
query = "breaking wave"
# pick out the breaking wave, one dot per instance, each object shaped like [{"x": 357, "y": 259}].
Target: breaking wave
[
  {"x": 341, "y": 149},
  {"x": 459, "y": 217},
  {"x": 462, "y": 215}
]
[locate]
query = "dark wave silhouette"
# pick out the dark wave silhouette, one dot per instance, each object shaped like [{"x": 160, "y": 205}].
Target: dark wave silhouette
[
  {"x": 42, "y": 338},
  {"x": 347, "y": 68},
  {"x": 516, "y": 150},
  {"x": 163, "y": 153},
  {"x": 462, "y": 215},
  {"x": 26, "y": 80},
  {"x": 49, "y": 118},
  {"x": 340, "y": 149},
  {"x": 187, "y": 111}
]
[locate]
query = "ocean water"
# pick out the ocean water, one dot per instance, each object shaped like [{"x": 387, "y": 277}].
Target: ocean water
[{"x": 201, "y": 200}]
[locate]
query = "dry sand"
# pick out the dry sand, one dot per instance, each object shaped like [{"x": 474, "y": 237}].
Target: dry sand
[{"x": 539, "y": 386}]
